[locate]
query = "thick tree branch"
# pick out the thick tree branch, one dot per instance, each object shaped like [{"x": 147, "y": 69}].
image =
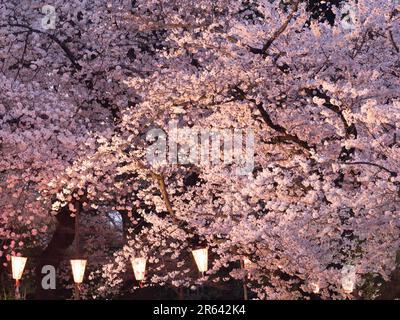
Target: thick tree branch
[
  {"x": 277, "y": 33},
  {"x": 54, "y": 253},
  {"x": 350, "y": 129},
  {"x": 61, "y": 44},
  {"x": 164, "y": 193},
  {"x": 394, "y": 44}
]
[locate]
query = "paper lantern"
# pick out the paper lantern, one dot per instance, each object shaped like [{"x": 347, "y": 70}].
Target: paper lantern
[
  {"x": 18, "y": 265},
  {"x": 248, "y": 264},
  {"x": 201, "y": 258},
  {"x": 139, "y": 267},
  {"x": 348, "y": 278},
  {"x": 78, "y": 269}
]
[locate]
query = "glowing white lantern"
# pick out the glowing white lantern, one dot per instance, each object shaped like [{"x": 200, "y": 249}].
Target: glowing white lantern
[
  {"x": 78, "y": 269},
  {"x": 18, "y": 265},
  {"x": 139, "y": 267},
  {"x": 247, "y": 263},
  {"x": 201, "y": 258},
  {"x": 348, "y": 278}
]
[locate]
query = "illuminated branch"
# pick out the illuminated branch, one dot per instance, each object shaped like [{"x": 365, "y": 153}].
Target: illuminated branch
[
  {"x": 164, "y": 192},
  {"x": 240, "y": 95},
  {"x": 277, "y": 33}
]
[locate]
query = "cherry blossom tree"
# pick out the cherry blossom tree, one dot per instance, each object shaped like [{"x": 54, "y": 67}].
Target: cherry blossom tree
[{"x": 85, "y": 86}]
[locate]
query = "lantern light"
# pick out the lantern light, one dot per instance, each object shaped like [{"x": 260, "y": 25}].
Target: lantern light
[
  {"x": 18, "y": 265},
  {"x": 78, "y": 269},
  {"x": 348, "y": 278},
  {"x": 139, "y": 267},
  {"x": 201, "y": 258}
]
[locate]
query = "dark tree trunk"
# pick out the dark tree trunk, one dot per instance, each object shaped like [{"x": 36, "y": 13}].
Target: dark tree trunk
[{"x": 54, "y": 253}]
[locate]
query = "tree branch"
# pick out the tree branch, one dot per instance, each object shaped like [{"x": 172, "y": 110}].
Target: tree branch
[
  {"x": 349, "y": 128},
  {"x": 392, "y": 173},
  {"x": 164, "y": 192},
  {"x": 61, "y": 44}
]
